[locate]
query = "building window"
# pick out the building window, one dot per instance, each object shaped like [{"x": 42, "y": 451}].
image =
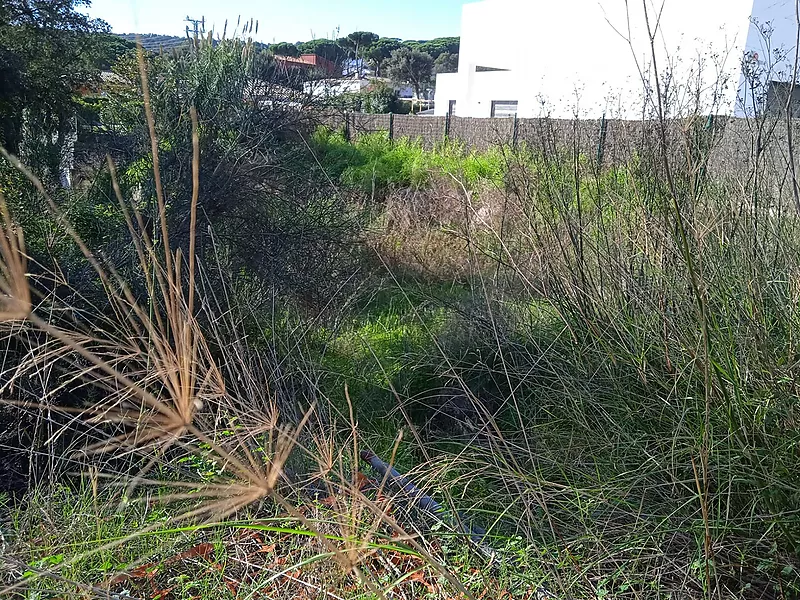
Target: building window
[
  {"x": 778, "y": 96},
  {"x": 504, "y": 108},
  {"x": 451, "y": 110}
]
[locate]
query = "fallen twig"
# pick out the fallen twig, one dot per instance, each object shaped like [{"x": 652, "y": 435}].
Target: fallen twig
[{"x": 460, "y": 522}]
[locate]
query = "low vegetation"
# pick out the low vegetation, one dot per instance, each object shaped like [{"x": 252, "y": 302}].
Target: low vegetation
[
  {"x": 374, "y": 163},
  {"x": 218, "y": 342}
]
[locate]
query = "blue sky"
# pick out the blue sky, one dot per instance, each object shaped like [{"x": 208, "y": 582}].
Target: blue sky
[{"x": 288, "y": 20}]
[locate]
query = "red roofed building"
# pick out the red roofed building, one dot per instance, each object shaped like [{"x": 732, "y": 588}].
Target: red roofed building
[{"x": 309, "y": 62}]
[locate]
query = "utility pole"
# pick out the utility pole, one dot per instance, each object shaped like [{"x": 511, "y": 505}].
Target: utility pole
[{"x": 199, "y": 26}]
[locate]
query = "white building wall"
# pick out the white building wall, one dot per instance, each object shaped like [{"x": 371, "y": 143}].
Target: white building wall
[
  {"x": 329, "y": 88},
  {"x": 586, "y": 58},
  {"x": 770, "y": 51},
  {"x": 780, "y": 17},
  {"x": 448, "y": 87}
]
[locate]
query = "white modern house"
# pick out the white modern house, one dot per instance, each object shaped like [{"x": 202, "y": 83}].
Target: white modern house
[
  {"x": 588, "y": 58},
  {"x": 329, "y": 88}
]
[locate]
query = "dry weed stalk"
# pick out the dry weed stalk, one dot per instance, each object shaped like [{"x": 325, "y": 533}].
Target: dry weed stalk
[
  {"x": 153, "y": 366},
  {"x": 162, "y": 390},
  {"x": 15, "y": 297}
]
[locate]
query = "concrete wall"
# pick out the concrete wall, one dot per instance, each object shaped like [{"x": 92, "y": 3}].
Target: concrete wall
[
  {"x": 448, "y": 87},
  {"x": 589, "y": 58},
  {"x": 769, "y": 53}
]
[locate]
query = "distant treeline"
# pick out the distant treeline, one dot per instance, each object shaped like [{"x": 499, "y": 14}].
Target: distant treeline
[{"x": 369, "y": 47}]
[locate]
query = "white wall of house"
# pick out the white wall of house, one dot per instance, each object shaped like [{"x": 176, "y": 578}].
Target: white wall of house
[
  {"x": 770, "y": 51},
  {"x": 447, "y": 88},
  {"x": 780, "y": 16},
  {"x": 586, "y": 58},
  {"x": 329, "y": 88}
]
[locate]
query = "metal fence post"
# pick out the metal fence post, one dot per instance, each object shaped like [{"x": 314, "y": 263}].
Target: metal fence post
[
  {"x": 447, "y": 127},
  {"x": 515, "y": 133},
  {"x": 601, "y": 146},
  {"x": 391, "y": 127},
  {"x": 347, "y": 126}
]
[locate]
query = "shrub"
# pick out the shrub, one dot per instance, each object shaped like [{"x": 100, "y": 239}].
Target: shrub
[{"x": 378, "y": 98}]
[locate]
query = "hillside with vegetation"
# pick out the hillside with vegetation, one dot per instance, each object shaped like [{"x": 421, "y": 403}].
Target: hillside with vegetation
[
  {"x": 155, "y": 43},
  {"x": 246, "y": 354}
]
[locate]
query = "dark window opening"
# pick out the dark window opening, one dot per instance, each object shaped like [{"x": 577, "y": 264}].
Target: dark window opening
[
  {"x": 778, "y": 98},
  {"x": 451, "y": 110}
]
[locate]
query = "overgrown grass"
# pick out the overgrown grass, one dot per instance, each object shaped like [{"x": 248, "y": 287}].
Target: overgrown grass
[
  {"x": 624, "y": 380},
  {"x": 558, "y": 395},
  {"x": 265, "y": 554},
  {"x": 375, "y": 164},
  {"x": 596, "y": 363}
]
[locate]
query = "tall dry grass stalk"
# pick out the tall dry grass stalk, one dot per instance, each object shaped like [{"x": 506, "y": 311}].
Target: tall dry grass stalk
[
  {"x": 16, "y": 301},
  {"x": 157, "y": 392}
]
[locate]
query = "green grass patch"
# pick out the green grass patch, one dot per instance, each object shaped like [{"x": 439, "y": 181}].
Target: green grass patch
[{"x": 376, "y": 164}]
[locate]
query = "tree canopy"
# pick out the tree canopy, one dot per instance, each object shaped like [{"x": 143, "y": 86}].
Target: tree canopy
[
  {"x": 48, "y": 50},
  {"x": 412, "y": 67},
  {"x": 285, "y": 49},
  {"x": 358, "y": 41},
  {"x": 329, "y": 49},
  {"x": 446, "y": 63},
  {"x": 380, "y": 51},
  {"x": 436, "y": 47},
  {"x": 357, "y": 44},
  {"x": 372, "y": 49},
  {"x": 49, "y": 42}
]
